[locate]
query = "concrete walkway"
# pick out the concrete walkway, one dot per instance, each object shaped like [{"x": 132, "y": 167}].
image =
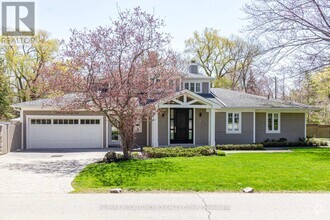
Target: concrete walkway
[
  {"x": 43, "y": 172},
  {"x": 166, "y": 206}
]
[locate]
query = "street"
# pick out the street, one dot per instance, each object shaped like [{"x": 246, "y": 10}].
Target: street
[{"x": 166, "y": 206}]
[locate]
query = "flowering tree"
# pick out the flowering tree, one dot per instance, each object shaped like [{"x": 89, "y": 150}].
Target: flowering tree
[{"x": 121, "y": 71}]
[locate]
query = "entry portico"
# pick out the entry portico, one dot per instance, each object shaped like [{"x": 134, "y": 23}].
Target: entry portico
[{"x": 190, "y": 118}]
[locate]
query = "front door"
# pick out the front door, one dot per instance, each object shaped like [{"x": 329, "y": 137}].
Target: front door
[{"x": 181, "y": 126}]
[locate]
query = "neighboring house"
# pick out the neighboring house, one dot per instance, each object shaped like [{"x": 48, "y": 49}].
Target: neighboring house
[{"x": 196, "y": 115}]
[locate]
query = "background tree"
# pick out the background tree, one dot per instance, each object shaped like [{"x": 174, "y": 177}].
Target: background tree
[
  {"x": 211, "y": 51},
  {"x": 119, "y": 71},
  {"x": 314, "y": 90},
  {"x": 294, "y": 32},
  {"x": 24, "y": 61},
  {"x": 5, "y": 94},
  {"x": 230, "y": 60}
]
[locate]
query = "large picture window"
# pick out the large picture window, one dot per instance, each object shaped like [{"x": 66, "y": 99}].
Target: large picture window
[
  {"x": 233, "y": 122},
  {"x": 273, "y": 123}
]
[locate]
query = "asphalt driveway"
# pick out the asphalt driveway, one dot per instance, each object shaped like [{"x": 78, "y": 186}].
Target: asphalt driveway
[{"x": 43, "y": 172}]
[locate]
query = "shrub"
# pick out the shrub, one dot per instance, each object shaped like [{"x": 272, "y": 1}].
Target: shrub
[
  {"x": 240, "y": 147},
  {"x": 159, "y": 152},
  {"x": 302, "y": 142},
  {"x": 221, "y": 153},
  {"x": 111, "y": 156}
]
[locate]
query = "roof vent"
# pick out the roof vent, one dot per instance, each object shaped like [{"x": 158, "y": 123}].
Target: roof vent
[{"x": 193, "y": 67}]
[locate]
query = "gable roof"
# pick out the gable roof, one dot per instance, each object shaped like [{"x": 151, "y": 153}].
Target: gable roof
[
  {"x": 218, "y": 98},
  {"x": 235, "y": 99},
  {"x": 48, "y": 102}
]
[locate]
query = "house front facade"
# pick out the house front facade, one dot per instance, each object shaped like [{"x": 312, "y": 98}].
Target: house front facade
[{"x": 197, "y": 115}]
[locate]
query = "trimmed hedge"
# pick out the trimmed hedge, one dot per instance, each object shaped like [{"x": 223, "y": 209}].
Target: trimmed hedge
[
  {"x": 159, "y": 152},
  {"x": 302, "y": 142},
  {"x": 240, "y": 147}
]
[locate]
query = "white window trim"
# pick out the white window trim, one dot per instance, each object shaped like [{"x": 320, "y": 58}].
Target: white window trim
[
  {"x": 200, "y": 87},
  {"x": 279, "y": 123},
  {"x": 189, "y": 86},
  {"x": 239, "y": 123}
]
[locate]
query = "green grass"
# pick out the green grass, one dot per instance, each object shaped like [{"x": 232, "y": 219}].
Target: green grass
[{"x": 301, "y": 170}]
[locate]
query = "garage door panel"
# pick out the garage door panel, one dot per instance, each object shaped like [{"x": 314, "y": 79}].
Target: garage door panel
[{"x": 64, "y": 135}]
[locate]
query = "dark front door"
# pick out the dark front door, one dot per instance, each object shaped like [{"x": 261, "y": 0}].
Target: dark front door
[{"x": 181, "y": 127}]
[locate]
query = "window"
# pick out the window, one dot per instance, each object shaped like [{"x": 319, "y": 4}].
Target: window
[
  {"x": 198, "y": 87},
  {"x": 233, "y": 122},
  {"x": 41, "y": 121},
  {"x": 273, "y": 123},
  {"x": 90, "y": 121},
  {"x": 192, "y": 87}
]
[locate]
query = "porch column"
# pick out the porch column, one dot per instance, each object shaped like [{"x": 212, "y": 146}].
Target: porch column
[
  {"x": 154, "y": 133},
  {"x": 212, "y": 127}
]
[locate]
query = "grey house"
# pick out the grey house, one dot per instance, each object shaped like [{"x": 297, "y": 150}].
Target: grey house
[{"x": 196, "y": 115}]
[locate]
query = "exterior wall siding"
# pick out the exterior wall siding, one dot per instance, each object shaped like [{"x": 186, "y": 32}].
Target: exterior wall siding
[
  {"x": 292, "y": 127},
  {"x": 245, "y": 137},
  {"x": 201, "y": 127},
  {"x": 163, "y": 127},
  {"x": 79, "y": 113},
  {"x": 141, "y": 138},
  {"x": 205, "y": 87}
]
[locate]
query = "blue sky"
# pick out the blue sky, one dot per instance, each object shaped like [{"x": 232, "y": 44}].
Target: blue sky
[{"x": 182, "y": 17}]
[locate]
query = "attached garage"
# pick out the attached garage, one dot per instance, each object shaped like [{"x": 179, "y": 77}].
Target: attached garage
[{"x": 50, "y": 132}]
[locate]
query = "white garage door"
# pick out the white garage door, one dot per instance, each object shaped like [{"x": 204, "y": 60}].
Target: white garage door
[{"x": 64, "y": 132}]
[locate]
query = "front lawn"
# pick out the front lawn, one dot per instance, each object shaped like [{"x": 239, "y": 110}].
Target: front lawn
[{"x": 301, "y": 170}]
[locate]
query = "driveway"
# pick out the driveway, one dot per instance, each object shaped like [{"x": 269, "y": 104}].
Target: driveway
[{"x": 43, "y": 172}]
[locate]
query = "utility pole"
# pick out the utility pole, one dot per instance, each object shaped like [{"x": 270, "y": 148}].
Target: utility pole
[{"x": 275, "y": 87}]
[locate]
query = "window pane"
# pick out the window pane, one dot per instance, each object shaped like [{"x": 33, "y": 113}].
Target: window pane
[
  {"x": 43, "y": 121},
  {"x": 82, "y": 121},
  {"x": 198, "y": 87},
  {"x": 270, "y": 121},
  {"x": 276, "y": 121},
  {"x": 186, "y": 85},
  {"x": 49, "y": 121},
  {"x": 172, "y": 113},
  {"x": 172, "y": 134},
  {"x": 38, "y": 121},
  {"x": 190, "y": 114},
  {"x": 71, "y": 121},
  {"x": 60, "y": 121},
  {"x": 192, "y": 87},
  {"x": 87, "y": 121},
  {"x": 55, "y": 121},
  {"x": 230, "y": 122},
  {"x": 97, "y": 121},
  {"x": 172, "y": 124},
  {"x": 190, "y": 124},
  {"x": 66, "y": 121},
  {"x": 236, "y": 122},
  {"x": 76, "y": 121},
  {"x": 190, "y": 135},
  {"x": 33, "y": 121},
  {"x": 93, "y": 122}
]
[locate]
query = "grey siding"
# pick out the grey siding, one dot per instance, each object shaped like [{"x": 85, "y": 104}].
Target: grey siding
[
  {"x": 80, "y": 113},
  {"x": 292, "y": 127},
  {"x": 246, "y": 135},
  {"x": 141, "y": 138},
  {"x": 201, "y": 127},
  {"x": 163, "y": 127},
  {"x": 205, "y": 87}
]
